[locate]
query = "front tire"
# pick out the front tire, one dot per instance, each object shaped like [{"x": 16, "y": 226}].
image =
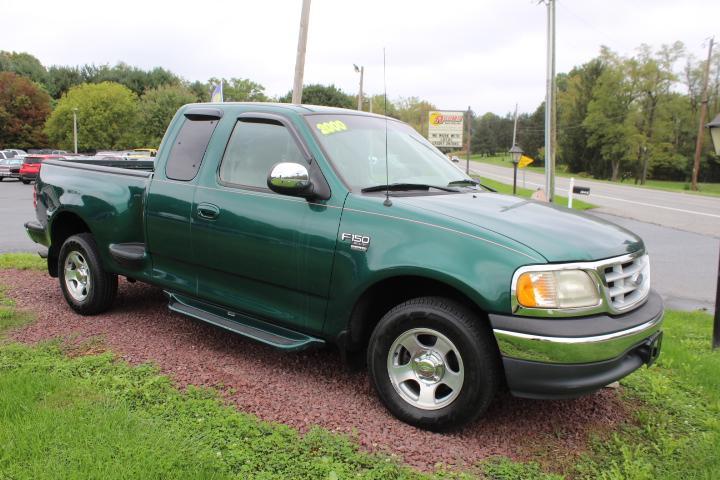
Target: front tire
[
  {"x": 87, "y": 288},
  {"x": 434, "y": 364},
  {"x": 26, "y": 182}
]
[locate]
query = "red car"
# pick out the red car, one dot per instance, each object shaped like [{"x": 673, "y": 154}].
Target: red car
[{"x": 31, "y": 166}]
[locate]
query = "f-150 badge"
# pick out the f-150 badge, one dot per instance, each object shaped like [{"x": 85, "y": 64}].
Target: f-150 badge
[{"x": 357, "y": 242}]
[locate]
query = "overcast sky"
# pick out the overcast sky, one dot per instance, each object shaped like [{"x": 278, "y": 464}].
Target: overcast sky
[{"x": 488, "y": 54}]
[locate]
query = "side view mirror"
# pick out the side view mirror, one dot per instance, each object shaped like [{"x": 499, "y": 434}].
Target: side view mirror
[{"x": 290, "y": 179}]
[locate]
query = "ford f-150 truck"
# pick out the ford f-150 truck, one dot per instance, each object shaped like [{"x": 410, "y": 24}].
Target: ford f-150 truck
[{"x": 302, "y": 226}]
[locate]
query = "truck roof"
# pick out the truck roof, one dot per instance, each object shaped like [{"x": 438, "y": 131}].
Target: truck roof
[{"x": 301, "y": 109}]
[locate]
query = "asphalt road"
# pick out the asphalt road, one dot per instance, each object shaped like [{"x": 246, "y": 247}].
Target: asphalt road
[
  {"x": 684, "y": 264},
  {"x": 15, "y": 209},
  {"x": 683, "y": 211}
]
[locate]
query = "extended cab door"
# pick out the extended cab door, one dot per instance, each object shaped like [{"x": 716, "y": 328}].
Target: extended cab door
[
  {"x": 261, "y": 253},
  {"x": 170, "y": 199}
]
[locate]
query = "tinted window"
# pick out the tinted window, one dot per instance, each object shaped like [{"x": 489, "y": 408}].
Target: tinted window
[
  {"x": 189, "y": 148},
  {"x": 253, "y": 149}
]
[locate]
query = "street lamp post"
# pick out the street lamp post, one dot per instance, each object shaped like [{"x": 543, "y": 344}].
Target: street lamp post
[
  {"x": 714, "y": 127},
  {"x": 515, "y": 153},
  {"x": 361, "y": 71},
  {"x": 75, "y": 127}
]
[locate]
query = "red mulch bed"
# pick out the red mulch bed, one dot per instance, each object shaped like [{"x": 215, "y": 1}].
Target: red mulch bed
[{"x": 307, "y": 388}]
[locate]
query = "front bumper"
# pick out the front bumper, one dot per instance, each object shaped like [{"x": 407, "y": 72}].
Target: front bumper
[{"x": 562, "y": 358}]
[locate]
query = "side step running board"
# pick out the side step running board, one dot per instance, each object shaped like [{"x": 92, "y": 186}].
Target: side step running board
[{"x": 269, "y": 334}]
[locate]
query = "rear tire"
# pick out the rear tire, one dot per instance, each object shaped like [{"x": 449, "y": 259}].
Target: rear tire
[
  {"x": 87, "y": 288},
  {"x": 434, "y": 363}
]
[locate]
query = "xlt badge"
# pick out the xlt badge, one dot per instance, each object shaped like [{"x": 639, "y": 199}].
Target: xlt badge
[{"x": 357, "y": 242}]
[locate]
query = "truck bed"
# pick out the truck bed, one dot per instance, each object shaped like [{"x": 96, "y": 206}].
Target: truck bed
[{"x": 109, "y": 200}]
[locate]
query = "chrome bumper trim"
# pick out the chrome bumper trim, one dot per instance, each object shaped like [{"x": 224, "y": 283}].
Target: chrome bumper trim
[{"x": 568, "y": 350}]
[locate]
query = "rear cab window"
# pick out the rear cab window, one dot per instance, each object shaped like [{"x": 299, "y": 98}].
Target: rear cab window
[{"x": 188, "y": 150}]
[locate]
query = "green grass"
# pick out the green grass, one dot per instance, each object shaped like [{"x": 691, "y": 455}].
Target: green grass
[
  {"x": 709, "y": 189},
  {"x": 712, "y": 189},
  {"x": 95, "y": 417},
  {"x": 22, "y": 261},
  {"x": 526, "y": 193}
]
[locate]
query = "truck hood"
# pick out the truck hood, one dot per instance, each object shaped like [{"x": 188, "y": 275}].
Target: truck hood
[{"x": 557, "y": 233}]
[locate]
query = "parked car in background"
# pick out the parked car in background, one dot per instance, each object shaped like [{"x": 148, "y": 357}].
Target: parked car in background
[
  {"x": 31, "y": 166},
  {"x": 46, "y": 151},
  {"x": 114, "y": 153},
  {"x": 4, "y": 155},
  {"x": 17, "y": 152},
  {"x": 146, "y": 152},
  {"x": 10, "y": 168}
]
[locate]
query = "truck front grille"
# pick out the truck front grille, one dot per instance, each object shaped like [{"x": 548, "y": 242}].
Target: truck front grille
[{"x": 627, "y": 282}]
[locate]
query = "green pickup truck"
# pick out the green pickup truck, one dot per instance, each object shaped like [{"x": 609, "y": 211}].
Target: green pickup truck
[{"x": 302, "y": 226}]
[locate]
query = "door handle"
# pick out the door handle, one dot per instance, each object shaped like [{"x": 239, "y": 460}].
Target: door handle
[{"x": 208, "y": 211}]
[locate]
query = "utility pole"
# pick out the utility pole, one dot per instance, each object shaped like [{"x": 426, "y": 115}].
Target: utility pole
[
  {"x": 361, "y": 71},
  {"x": 75, "y": 127},
  {"x": 515, "y": 126},
  {"x": 469, "y": 130},
  {"x": 703, "y": 114},
  {"x": 300, "y": 59},
  {"x": 550, "y": 105}
]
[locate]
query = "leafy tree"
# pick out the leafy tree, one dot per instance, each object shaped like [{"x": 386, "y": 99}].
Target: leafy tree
[
  {"x": 379, "y": 106},
  {"x": 24, "y": 107},
  {"x": 239, "y": 90},
  {"x": 652, "y": 75},
  {"x": 610, "y": 121},
  {"x": 157, "y": 108},
  {"x": 573, "y": 102},
  {"x": 200, "y": 90},
  {"x": 107, "y": 115},
  {"x": 531, "y": 134},
  {"x": 135, "y": 79},
  {"x": 329, "y": 96},
  {"x": 492, "y": 134},
  {"x": 23, "y": 64},
  {"x": 61, "y": 79},
  {"x": 414, "y": 111}
]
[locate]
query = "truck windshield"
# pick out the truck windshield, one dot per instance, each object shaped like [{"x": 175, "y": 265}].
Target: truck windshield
[{"x": 356, "y": 147}]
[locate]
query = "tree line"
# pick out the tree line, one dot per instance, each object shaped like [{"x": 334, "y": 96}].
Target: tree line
[
  {"x": 617, "y": 117},
  {"x": 122, "y": 106},
  {"x": 621, "y": 117}
]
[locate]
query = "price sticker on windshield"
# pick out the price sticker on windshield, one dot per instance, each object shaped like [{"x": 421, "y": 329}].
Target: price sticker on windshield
[{"x": 327, "y": 128}]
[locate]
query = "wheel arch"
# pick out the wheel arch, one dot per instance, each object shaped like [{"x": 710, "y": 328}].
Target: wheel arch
[
  {"x": 382, "y": 295},
  {"x": 63, "y": 225}
]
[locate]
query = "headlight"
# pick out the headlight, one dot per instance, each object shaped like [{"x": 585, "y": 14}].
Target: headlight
[{"x": 557, "y": 289}]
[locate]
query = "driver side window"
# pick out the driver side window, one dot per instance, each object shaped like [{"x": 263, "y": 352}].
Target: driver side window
[{"x": 254, "y": 147}]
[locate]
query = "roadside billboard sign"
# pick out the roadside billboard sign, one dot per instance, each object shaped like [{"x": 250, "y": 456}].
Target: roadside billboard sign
[{"x": 445, "y": 128}]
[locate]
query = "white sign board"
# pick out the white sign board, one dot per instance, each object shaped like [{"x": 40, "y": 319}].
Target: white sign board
[{"x": 446, "y": 128}]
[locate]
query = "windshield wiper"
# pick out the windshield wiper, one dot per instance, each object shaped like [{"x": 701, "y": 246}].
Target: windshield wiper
[
  {"x": 471, "y": 182},
  {"x": 405, "y": 186},
  {"x": 463, "y": 182}
]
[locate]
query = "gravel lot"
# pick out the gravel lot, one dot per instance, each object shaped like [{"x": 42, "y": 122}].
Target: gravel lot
[{"x": 307, "y": 388}]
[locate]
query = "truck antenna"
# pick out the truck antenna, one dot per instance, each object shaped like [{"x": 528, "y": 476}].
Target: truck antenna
[{"x": 387, "y": 201}]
